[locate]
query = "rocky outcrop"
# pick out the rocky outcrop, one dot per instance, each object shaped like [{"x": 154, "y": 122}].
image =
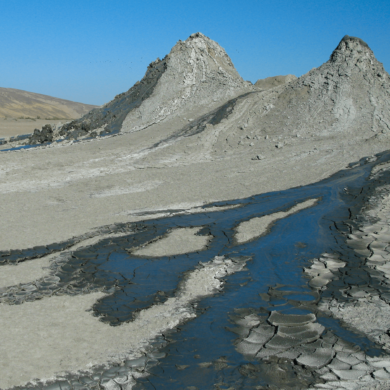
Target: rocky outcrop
[
  {"x": 42, "y": 136},
  {"x": 76, "y": 129}
]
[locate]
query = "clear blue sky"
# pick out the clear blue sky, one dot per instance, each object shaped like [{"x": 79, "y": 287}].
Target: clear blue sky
[{"x": 91, "y": 50}]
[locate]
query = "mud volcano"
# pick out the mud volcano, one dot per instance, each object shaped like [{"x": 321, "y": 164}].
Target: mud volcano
[{"x": 201, "y": 232}]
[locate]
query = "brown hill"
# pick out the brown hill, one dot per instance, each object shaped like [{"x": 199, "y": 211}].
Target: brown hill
[{"x": 15, "y": 103}]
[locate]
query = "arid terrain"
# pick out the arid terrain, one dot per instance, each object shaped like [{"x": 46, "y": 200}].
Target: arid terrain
[
  {"x": 21, "y": 112},
  {"x": 139, "y": 173}
]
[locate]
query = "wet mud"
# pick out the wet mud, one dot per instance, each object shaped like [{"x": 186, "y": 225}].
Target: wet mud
[{"x": 265, "y": 328}]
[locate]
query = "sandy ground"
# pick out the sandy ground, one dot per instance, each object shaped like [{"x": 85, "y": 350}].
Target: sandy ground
[{"x": 11, "y": 127}]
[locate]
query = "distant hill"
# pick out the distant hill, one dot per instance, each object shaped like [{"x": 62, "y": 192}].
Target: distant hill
[{"x": 15, "y": 103}]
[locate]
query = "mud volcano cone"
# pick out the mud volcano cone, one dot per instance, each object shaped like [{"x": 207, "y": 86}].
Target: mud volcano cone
[
  {"x": 348, "y": 94},
  {"x": 345, "y": 99},
  {"x": 195, "y": 74}
]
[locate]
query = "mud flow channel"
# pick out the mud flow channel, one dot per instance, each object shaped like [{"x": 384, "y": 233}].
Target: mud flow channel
[{"x": 279, "y": 255}]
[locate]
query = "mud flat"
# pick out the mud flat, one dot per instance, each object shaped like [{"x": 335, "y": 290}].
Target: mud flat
[{"x": 150, "y": 315}]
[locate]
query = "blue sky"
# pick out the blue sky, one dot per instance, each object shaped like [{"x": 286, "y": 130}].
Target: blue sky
[{"x": 89, "y": 51}]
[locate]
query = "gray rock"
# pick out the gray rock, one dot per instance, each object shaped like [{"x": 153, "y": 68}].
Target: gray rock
[
  {"x": 258, "y": 157},
  {"x": 42, "y": 136}
]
